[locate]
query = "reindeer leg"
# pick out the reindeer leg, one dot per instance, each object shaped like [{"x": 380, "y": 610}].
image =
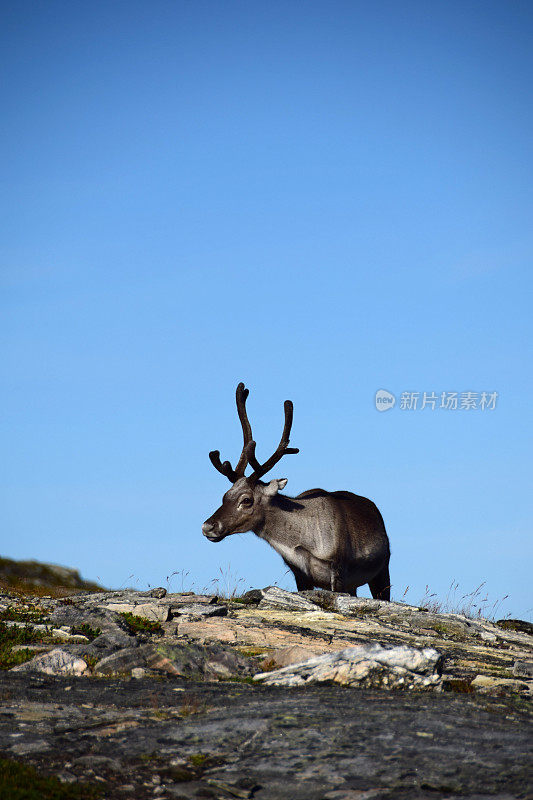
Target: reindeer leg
[
  {"x": 336, "y": 585},
  {"x": 303, "y": 581},
  {"x": 380, "y": 584}
]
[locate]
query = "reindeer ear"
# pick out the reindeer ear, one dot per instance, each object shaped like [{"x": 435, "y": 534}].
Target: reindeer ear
[{"x": 275, "y": 486}]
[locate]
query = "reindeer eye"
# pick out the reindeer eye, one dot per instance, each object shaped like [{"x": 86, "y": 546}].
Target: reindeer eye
[{"x": 246, "y": 501}]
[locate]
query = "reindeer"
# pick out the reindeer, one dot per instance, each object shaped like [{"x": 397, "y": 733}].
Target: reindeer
[{"x": 329, "y": 540}]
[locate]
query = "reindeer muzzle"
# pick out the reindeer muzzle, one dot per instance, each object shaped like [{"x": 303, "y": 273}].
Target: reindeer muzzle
[{"x": 212, "y": 531}]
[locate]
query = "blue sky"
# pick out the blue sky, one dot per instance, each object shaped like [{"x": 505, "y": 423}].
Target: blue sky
[{"x": 321, "y": 200}]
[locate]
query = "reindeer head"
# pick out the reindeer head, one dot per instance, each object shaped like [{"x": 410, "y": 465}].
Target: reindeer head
[{"x": 243, "y": 506}]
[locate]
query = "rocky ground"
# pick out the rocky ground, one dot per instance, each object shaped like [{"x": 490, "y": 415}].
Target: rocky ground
[{"x": 308, "y": 695}]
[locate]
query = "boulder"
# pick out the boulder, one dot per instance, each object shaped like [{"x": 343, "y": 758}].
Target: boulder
[
  {"x": 55, "y": 662},
  {"x": 123, "y": 660}
]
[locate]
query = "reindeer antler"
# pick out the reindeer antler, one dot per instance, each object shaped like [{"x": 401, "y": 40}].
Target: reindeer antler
[
  {"x": 282, "y": 450},
  {"x": 225, "y": 467}
]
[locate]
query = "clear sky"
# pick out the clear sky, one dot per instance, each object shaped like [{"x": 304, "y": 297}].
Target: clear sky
[{"x": 321, "y": 199}]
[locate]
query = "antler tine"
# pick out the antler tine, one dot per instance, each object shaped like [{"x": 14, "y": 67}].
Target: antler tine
[
  {"x": 223, "y": 467},
  {"x": 241, "y": 395},
  {"x": 282, "y": 450}
]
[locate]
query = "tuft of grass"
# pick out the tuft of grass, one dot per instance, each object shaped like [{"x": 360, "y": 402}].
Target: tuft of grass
[
  {"x": 227, "y": 586},
  {"x": 185, "y": 586},
  {"x": 474, "y": 605},
  {"x": 23, "y": 782},
  {"x": 139, "y": 624}
]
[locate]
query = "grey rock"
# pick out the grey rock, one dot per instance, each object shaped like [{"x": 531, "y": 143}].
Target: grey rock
[
  {"x": 55, "y": 662},
  {"x": 369, "y": 665},
  {"x": 113, "y": 640},
  {"x": 190, "y": 661},
  {"x": 187, "y": 598},
  {"x": 274, "y": 597},
  {"x": 158, "y": 592},
  {"x": 138, "y": 673},
  {"x": 121, "y": 608},
  {"x": 523, "y": 669},
  {"x": 494, "y": 685},
  {"x": 96, "y": 761},
  {"x": 293, "y": 654},
  {"x": 153, "y": 612},
  {"x": 28, "y": 748},
  {"x": 101, "y": 618},
  {"x": 66, "y": 777},
  {"x": 289, "y": 744},
  {"x": 123, "y": 660},
  {"x": 201, "y": 611}
]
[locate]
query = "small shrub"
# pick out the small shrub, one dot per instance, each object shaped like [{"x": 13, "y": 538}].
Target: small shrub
[
  {"x": 31, "y": 614},
  {"x": 86, "y": 630},
  {"x": 11, "y": 636},
  {"x": 139, "y": 624}
]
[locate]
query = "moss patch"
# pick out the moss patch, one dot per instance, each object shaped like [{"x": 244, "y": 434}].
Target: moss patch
[{"x": 22, "y": 782}]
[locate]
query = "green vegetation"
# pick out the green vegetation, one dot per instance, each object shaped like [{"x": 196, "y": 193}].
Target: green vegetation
[
  {"x": 22, "y": 782},
  {"x": 30, "y": 613},
  {"x": 250, "y": 652},
  {"x": 11, "y": 636},
  {"x": 139, "y": 624},
  {"x": 86, "y": 630}
]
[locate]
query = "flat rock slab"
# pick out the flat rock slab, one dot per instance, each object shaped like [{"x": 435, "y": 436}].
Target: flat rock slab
[
  {"x": 366, "y": 665},
  {"x": 267, "y": 743}
]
